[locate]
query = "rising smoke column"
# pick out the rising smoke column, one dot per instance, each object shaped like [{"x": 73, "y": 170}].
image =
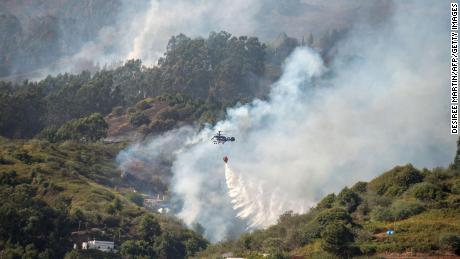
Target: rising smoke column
[
  {"x": 259, "y": 192},
  {"x": 382, "y": 102},
  {"x": 142, "y": 28}
]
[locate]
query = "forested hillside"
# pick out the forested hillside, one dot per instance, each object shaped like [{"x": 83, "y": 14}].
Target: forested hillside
[
  {"x": 420, "y": 206},
  {"x": 56, "y": 195},
  {"x": 219, "y": 71},
  {"x": 61, "y": 185}
]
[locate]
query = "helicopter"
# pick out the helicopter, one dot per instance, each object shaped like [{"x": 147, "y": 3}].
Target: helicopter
[{"x": 221, "y": 139}]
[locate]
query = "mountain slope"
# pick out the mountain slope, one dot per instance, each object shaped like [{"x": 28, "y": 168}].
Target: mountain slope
[
  {"x": 422, "y": 207},
  {"x": 70, "y": 192}
]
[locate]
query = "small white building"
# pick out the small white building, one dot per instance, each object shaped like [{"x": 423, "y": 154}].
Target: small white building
[
  {"x": 104, "y": 246},
  {"x": 152, "y": 202},
  {"x": 229, "y": 255}
]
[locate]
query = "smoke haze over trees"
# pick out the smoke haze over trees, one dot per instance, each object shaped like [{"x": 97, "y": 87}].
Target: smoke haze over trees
[{"x": 39, "y": 38}]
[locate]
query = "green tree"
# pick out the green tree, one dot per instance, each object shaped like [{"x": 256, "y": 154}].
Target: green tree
[
  {"x": 117, "y": 110},
  {"x": 149, "y": 229},
  {"x": 455, "y": 188},
  {"x": 138, "y": 119},
  {"x": 315, "y": 227},
  {"x": 117, "y": 204},
  {"x": 427, "y": 192},
  {"x": 168, "y": 245},
  {"x": 193, "y": 244},
  {"x": 359, "y": 187},
  {"x": 137, "y": 249},
  {"x": 348, "y": 199},
  {"x": 29, "y": 223},
  {"x": 396, "y": 181},
  {"x": 89, "y": 128},
  {"x": 21, "y": 109},
  {"x": 327, "y": 202},
  {"x": 450, "y": 242},
  {"x": 115, "y": 207},
  {"x": 136, "y": 198},
  {"x": 337, "y": 238}
]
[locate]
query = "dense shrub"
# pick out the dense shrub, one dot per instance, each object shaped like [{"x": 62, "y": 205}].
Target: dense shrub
[
  {"x": 111, "y": 221},
  {"x": 131, "y": 110},
  {"x": 426, "y": 191},
  {"x": 382, "y": 214},
  {"x": 272, "y": 245},
  {"x": 453, "y": 202},
  {"x": 143, "y": 105},
  {"x": 114, "y": 207},
  {"x": 436, "y": 176},
  {"x": 5, "y": 161},
  {"x": 377, "y": 200},
  {"x": 368, "y": 249},
  {"x": 327, "y": 202},
  {"x": 162, "y": 125},
  {"x": 137, "y": 249},
  {"x": 348, "y": 199},
  {"x": 23, "y": 156},
  {"x": 455, "y": 188},
  {"x": 363, "y": 209},
  {"x": 49, "y": 133},
  {"x": 29, "y": 227},
  {"x": 316, "y": 226},
  {"x": 337, "y": 239},
  {"x": 117, "y": 110},
  {"x": 398, "y": 211},
  {"x": 9, "y": 178},
  {"x": 396, "y": 181},
  {"x": 171, "y": 114},
  {"x": 331, "y": 215},
  {"x": 136, "y": 198},
  {"x": 90, "y": 128},
  {"x": 149, "y": 228},
  {"x": 138, "y": 118},
  {"x": 456, "y": 164},
  {"x": 404, "y": 209},
  {"x": 90, "y": 254},
  {"x": 359, "y": 187},
  {"x": 450, "y": 242}
]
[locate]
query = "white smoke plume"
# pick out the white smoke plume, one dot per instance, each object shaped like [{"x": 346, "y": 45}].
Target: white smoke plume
[
  {"x": 152, "y": 23},
  {"x": 143, "y": 28},
  {"x": 194, "y": 18},
  {"x": 384, "y": 101}
]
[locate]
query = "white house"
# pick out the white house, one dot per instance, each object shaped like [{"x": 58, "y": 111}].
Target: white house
[
  {"x": 152, "y": 202},
  {"x": 104, "y": 246}
]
